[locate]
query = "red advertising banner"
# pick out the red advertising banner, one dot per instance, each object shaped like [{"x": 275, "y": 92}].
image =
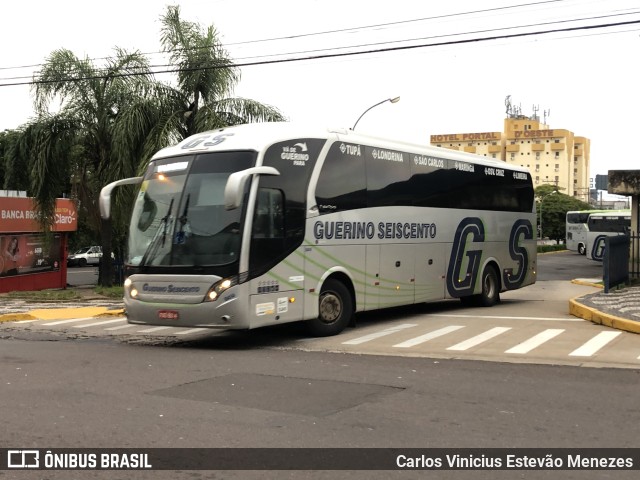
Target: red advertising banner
[
  {"x": 29, "y": 253},
  {"x": 18, "y": 214}
]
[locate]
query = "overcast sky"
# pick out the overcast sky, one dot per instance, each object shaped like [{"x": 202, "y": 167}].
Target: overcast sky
[{"x": 586, "y": 80}]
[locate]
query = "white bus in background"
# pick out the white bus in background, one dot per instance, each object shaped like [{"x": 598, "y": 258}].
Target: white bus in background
[
  {"x": 576, "y": 230},
  {"x": 270, "y": 223},
  {"x": 605, "y": 224}
]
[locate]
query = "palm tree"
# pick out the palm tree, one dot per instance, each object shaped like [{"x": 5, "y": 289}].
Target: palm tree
[
  {"x": 14, "y": 175},
  {"x": 206, "y": 78},
  {"x": 83, "y": 145},
  {"x": 95, "y": 125}
]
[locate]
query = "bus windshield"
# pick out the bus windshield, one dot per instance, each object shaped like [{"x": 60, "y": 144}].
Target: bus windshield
[{"x": 179, "y": 217}]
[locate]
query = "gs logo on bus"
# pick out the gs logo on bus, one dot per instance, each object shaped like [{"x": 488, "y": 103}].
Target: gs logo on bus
[
  {"x": 471, "y": 231},
  {"x": 597, "y": 251}
]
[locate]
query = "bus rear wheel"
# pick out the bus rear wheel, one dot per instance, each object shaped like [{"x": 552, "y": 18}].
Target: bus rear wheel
[
  {"x": 335, "y": 309},
  {"x": 490, "y": 294}
]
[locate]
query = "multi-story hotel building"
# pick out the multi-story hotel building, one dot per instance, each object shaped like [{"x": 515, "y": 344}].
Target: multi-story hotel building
[{"x": 553, "y": 156}]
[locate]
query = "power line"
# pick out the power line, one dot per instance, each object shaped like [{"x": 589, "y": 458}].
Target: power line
[
  {"x": 150, "y": 68},
  {"x": 338, "y": 55},
  {"x": 453, "y": 34},
  {"x": 350, "y": 29},
  {"x": 400, "y": 22}
]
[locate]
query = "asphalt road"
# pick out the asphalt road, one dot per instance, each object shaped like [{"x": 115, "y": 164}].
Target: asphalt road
[
  {"x": 567, "y": 265},
  {"x": 252, "y": 389},
  {"x": 82, "y": 275},
  {"x": 91, "y": 393}
]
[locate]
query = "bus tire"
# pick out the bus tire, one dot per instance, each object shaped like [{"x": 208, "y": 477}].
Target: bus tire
[
  {"x": 490, "y": 294},
  {"x": 582, "y": 249},
  {"x": 335, "y": 309}
]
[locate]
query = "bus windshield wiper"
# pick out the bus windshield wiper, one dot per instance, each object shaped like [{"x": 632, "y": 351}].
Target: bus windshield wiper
[
  {"x": 152, "y": 249},
  {"x": 183, "y": 221}
]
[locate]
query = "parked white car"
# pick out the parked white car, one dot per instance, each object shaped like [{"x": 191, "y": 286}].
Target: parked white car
[{"x": 86, "y": 256}]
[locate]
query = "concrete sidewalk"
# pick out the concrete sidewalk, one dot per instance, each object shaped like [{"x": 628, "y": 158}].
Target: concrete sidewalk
[{"x": 618, "y": 309}]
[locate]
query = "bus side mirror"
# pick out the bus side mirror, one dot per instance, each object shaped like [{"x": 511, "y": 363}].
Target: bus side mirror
[
  {"x": 234, "y": 189},
  {"x": 105, "y": 194}
]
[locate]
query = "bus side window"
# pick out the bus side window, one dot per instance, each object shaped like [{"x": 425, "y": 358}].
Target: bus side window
[{"x": 341, "y": 184}]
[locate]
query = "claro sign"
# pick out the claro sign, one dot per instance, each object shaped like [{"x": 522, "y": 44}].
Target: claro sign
[{"x": 18, "y": 214}]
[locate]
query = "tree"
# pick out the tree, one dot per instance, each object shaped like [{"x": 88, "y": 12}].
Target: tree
[
  {"x": 83, "y": 145},
  {"x": 14, "y": 175},
  {"x": 552, "y": 207},
  {"x": 95, "y": 125},
  {"x": 203, "y": 99}
]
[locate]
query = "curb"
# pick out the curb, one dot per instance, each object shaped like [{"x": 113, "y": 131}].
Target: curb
[
  {"x": 591, "y": 314},
  {"x": 16, "y": 317},
  {"x": 588, "y": 284},
  {"x": 62, "y": 313}
]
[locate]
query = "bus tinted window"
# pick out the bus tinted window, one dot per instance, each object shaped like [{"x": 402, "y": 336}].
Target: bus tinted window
[
  {"x": 577, "y": 217},
  {"x": 407, "y": 179},
  {"x": 609, "y": 223},
  {"x": 387, "y": 174},
  {"x": 341, "y": 185}
]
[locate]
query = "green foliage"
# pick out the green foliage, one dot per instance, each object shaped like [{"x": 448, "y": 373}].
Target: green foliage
[
  {"x": 110, "y": 292},
  {"x": 551, "y": 248},
  {"x": 14, "y": 173},
  {"x": 99, "y": 123},
  {"x": 46, "y": 295},
  {"x": 552, "y": 207}
]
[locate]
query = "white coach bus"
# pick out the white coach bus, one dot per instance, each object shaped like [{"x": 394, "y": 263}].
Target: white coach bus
[
  {"x": 269, "y": 223},
  {"x": 602, "y": 225},
  {"x": 577, "y": 227},
  {"x": 576, "y": 230}
]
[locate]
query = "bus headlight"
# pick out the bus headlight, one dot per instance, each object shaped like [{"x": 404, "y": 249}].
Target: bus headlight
[
  {"x": 128, "y": 286},
  {"x": 218, "y": 288}
]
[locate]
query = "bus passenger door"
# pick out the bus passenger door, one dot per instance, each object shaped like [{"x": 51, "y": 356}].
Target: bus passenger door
[
  {"x": 430, "y": 272},
  {"x": 397, "y": 275}
]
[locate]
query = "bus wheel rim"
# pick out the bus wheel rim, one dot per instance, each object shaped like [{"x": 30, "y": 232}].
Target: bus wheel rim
[{"x": 330, "y": 308}]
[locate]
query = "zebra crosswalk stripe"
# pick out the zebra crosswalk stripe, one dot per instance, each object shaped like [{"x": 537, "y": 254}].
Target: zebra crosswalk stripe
[
  {"x": 478, "y": 339},
  {"x": 536, "y": 341},
  {"x": 428, "y": 336}
]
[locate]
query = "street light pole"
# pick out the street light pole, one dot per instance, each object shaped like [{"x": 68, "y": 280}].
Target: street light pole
[{"x": 392, "y": 100}]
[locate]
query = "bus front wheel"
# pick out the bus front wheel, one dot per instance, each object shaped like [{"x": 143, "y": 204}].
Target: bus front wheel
[
  {"x": 582, "y": 250},
  {"x": 335, "y": 308}
]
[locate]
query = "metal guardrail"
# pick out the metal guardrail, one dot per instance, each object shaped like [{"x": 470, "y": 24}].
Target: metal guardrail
[
  {"x": 634, "y": 255},
  {"x": 616, "y": 261},
  {"x": 621, "y": 261}
]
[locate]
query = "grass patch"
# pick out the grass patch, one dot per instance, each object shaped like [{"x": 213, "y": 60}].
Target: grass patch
[
  {"x": 551, "y": 248},
  {"x": 46, "y": 295},
  {"x": 111, "y": 292}
]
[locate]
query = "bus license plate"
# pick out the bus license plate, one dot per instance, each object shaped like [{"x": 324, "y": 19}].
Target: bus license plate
[{"x": 168, "y": 315}]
